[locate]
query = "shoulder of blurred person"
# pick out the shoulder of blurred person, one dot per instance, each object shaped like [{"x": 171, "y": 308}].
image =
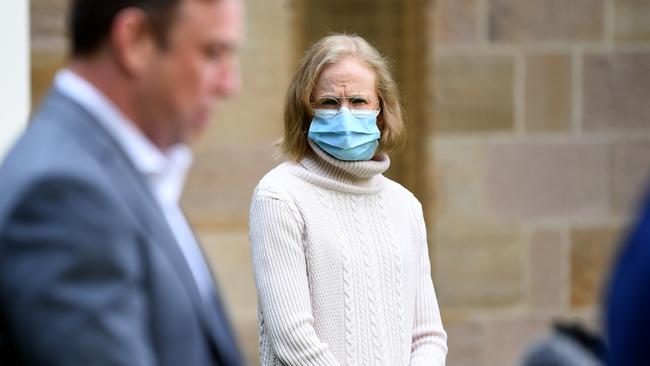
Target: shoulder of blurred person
[
  {"x": 627, "y": 319},
  {"x": 569, "y": 344},
  {"x": 92, "y": 270}
]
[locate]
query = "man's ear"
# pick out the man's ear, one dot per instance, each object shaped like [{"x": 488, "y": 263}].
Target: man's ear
[{"x": 131, "y": 41}]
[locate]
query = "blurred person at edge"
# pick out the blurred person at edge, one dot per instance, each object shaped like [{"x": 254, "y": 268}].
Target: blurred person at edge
[
  {"x": 98, "y": 265},
  {"x": 627, "y": 308},
  {"x": 339, "y": 251}
]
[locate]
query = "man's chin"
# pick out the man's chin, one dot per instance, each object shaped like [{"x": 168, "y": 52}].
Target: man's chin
[{"x": 200, "y": 121}]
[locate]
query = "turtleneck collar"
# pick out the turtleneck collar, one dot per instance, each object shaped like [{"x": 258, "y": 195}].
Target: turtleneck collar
[{"x": 361, "y": 177}]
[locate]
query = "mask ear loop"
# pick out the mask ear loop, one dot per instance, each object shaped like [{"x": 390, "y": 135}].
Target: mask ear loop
[{"x": 380, "y": 122}]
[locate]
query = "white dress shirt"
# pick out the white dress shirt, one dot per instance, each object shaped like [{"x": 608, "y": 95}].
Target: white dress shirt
[{"x": 165, "y": 172}]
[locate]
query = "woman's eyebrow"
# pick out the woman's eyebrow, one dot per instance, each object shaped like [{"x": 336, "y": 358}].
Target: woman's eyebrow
[{"x": 346, "y": 97}]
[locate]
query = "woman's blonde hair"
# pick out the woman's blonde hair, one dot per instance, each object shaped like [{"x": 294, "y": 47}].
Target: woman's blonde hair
[{"x": 298, "y": 110}]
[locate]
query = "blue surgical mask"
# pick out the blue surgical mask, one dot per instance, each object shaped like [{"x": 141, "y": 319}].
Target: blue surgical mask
[{"x": 344, "y": 135}]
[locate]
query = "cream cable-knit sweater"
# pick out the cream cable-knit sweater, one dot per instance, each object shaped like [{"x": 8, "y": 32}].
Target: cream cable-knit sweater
[{"x": 342, "y": 268}]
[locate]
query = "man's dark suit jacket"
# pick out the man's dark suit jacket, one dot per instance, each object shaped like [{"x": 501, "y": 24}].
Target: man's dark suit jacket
[
  {"x": 628, "y": 303},
  {"x": 90, "y": 273}
]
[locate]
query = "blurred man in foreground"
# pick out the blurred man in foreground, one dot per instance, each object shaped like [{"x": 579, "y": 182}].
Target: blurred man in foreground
[{"x": 98, "y": 265}]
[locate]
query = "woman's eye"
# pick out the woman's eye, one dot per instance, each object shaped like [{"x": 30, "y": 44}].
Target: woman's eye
[
  {"x": 329, "y": 102},
  {"x": 358, "y": 101}
]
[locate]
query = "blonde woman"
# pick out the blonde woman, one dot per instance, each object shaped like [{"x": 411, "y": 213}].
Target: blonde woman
[{"x": 340, "y": 251}]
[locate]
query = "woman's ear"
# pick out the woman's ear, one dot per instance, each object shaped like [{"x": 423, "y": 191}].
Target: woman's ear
[{"x": 131, "y": 41}]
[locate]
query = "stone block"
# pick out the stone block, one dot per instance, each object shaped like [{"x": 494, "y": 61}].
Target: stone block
[
  {"x": 228, "y": 251},
  {"x": 546, "y": 21},
  {"x": 247, "y": 334},
  {"x": 221, "y": 183},
  {"x": 47, "y": 23},
  {"x": 473, "y": 93},
  {"x": 455, "y": 21},
  {"x": 465, "y": 341},
  {"x": 631, "y": 20},
  {"x": 631, "y": 175},
  {"x": 616, "y": 87},
  {"x": 256, "y": 113},
  {"x": 592, "y": 251},
  {"x": 556, "y": 180},
  {"x": 458, "y": 179},
  {"x": 478, "y": 264},
  {"x": 507, "y": 339},
  {"x": 548, "y": 263},
  {"x": 548, "y": 92},
  {"x": 44, "y": 65}
]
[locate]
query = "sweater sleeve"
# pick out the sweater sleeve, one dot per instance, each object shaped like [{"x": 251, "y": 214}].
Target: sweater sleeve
[
  {"x": 429, "y": 341},
  {"x": 276, "y": 232}
]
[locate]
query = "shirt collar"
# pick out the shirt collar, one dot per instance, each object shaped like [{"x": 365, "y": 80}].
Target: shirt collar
[{"x": 166, "y": 171}]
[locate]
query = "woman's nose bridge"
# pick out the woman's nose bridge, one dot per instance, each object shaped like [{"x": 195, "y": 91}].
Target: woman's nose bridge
[{"x": 345, "y": 102}]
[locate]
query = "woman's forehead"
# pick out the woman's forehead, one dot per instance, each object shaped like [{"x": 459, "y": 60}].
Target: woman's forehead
[{"x": 346, "y": 76}]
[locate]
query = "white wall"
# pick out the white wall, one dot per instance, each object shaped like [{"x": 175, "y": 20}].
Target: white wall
[{"x": 14, "y": 70}]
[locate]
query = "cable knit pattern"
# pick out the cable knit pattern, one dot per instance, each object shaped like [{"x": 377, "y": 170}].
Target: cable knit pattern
[
  {"x": 393, "y": 277},
  {"x": 342, "y": 268}
]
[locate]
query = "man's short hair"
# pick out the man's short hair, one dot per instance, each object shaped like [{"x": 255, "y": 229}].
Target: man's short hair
[{"x": 90, "y": 21}]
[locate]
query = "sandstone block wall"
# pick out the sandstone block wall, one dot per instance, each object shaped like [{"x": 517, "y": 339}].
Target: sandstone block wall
[{"x": 540, "y": 150}]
